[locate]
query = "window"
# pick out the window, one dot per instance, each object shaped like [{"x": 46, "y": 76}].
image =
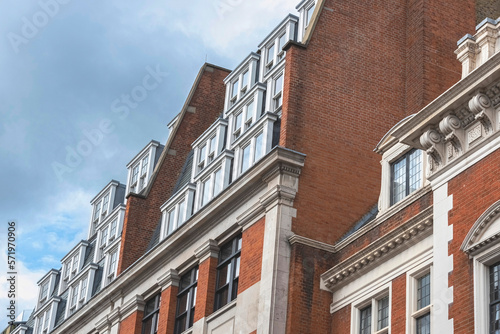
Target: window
[
  {"x": 270, "y": 56},
  {"x": 309, "y": 13},
  {"x": 40, "y": 324},
  {"x": 234, "y": 92},
  {"x": 144, "y": 169},
  {"x": 213, "y": 149},
  {"x": 83, "y": 290},
  {"x": 135, "y": 174},
  {"x": 46, "y": 321},
  {"x": 420, "y": 303},
  {"x": 373, "y": 316},
  {"x": 66, "y": 270},
  {"x": 112, "y": 233},
  {"x": 494, "y": 300},
  {"x": 277, "y": 94},
  {"x": 186, "y": 301},
  {"x": 237, "y": 125},
  {"x": 201, "y": 157},
  {"x": 258, "y": 146},
  {"x": 244, "y": 81},
  {"x": 180, "y": 215},
  {"x": 228, "y": 271},
  {"x": 281, "y": 42},
  {"x": 75, "y": 263},
  {"x": 112, "y": 266},
  {"x": 218, "y": 181},
  {"x": 249, "y": 114},
  {"x": 171, "y": 221},
  {"x": 150, "y": 319},
  {"x": 97, "y": 211},
  {"x": 245, "y": 158},
  {"x": 74, "y": 297},
  {"x": 406, "y": 175},
  {"x": 104, "y": 238},
  {"x": 105, "y": 204},
  {"x": 206, "y": 192},
  {"x": 44, "y": 291}
]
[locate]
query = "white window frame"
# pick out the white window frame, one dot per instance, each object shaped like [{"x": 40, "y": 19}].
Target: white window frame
[
  {"x": 83, "y": 284},
  {"x": 44, "y": 296},
  {"x": 278, "y": 95},
  {"x": 277, "y": 50},
  {"x": 111, "y": 268},
  {"x": 75, "y": 261},
  {"x": 113, "y": 226},
  {"x": 97, "y": 211},
  {"x": 375, "y": 297},
  {"x": 307, "y": 20},
  {"x": 411, "y": 297},
  {"x": 481, "y": 264},
  {"x": 105, "y": 204}
]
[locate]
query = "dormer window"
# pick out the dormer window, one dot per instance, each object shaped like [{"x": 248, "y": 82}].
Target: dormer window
[
  {"x": 112, "y": 266},
  {"x": 244, "y": 82},
  {"x": 245, "y": 158},
  {"x": 144, "y": 168},
  {"x": 201, "y": 157},
  {"x": 104, "y": 238},
  {"x": 44, "y": 290},
  {"x": 83, "y": 290},
  {"x": 270, "y": 57},
  {"x": 237, "y": 125},
  {"x": 406, "y": 175},
  {"x": 97, "y": 211},
  {"x": 213, "y": 148},
  {"x": 66, "y": 270},
  {"x": 75, "y": 263},
  {"x": 105, "y": 205},
  {"x": 46, "y": 321},
  {"x": 249, "y": 112},
  {"x": 309, "y": 13},
  {"x": 234, "y": 92},
  {"x": 278, "y": 92},
  {"x": 135, "y": 175},
  {"x": 112, "y": 233},
  {"x": 73, "y": 300},
  {"x": 281, "y": 42}
]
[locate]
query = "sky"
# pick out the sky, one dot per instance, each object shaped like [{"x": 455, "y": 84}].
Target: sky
[{"x": 65, "y": 65}]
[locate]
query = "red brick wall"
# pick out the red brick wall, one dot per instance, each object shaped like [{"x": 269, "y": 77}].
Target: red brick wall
[
  {"x": 474, "y": 191},
  {"x": 352, "y": 83},
  {"x": 205, "y": 293},
  {"x": 398, "y": 306},
  {"x": 308, "y": 305},
  {"x": 251, "y": 255},
  {"x": 166, "y": 320},
  {"x": 132, "y": 324},
  {"x": 143, "y": 214},
  {"x": 341, "y": 321}
]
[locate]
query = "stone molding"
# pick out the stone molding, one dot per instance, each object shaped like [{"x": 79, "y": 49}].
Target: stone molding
[
  {"x": 298, "y": 239},
  {"x": 471, "y": 245},
  {"x": 401, "y": 238},
  {"x": 170, "y": 278},
  {"x": 207, "y": 250}
]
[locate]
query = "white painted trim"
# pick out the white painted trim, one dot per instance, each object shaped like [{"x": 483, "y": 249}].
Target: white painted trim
[
  {"x": 411, "y": 292},
  {"x": 356, "y": 306}
]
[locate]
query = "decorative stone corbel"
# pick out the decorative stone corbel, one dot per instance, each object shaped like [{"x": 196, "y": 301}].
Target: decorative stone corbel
[
  {"x": 486, "y": 40},
  {"x": 482, "y": 108},
  {"x": 453, "y": 133},
  {"x": 432, "y": 142}
]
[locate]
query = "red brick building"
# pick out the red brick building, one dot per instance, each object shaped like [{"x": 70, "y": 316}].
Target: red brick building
[{"x": 267, "y": 211}]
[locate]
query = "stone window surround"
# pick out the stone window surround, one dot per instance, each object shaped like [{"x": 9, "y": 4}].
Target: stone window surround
[{"x": 381, "y": 292}]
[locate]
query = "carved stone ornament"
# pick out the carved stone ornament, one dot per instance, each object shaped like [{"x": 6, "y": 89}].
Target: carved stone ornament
[
  {"x": 450, "y": 126},
  {"x": 480, "y": 105},
  {"x": 472, "y": 243},
  {"x": 430, "y": 140}
]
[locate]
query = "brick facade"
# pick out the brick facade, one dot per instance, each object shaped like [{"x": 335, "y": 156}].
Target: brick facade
[
  {"x": 132, "y": 324},
  {"x": 166, "y": 320},
  {"x": 143, "y": 214},
  {"x": 251, "y": 255}
]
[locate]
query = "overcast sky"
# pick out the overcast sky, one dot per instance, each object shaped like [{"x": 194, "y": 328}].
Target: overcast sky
[{"x": 64, "y": 66}]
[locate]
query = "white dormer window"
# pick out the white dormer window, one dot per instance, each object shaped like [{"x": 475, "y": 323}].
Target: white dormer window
[
  {"x": 97, "y": 211},
  {"x": 309, "y": 13},
  {"x": 83, "y": 290},
  {"x": 75, "y": 263},
  {"x": 245, "y": 158},
  {"x": 66, "y": 270},
  {"x": 406, "y": 175},
  {"x": 135, "y": 175},
  {"x": 176, "y": 217},
  {"x": 237, "y": 125},
  {"x": 105, "y": 204},
  {"x": 46, "y": 321},
  {"x": 144, "y": 168},
  {"x": 44, "y": 291},
  {"x": 278, "y": 92},
  {"x": 281, "y": 42},
  {"x": 244, "y": 82},
  {"x": 211, "y": 186},
  {"x": 112, "y": 266},
  {"x": 234, "y": 92},
  {"x": 74, "y": 298},
  {"x": 39, "y": 329},
  {"x": 270, "y": 56},
  {"x": 212, "y": 152},
  {"x": 112, "y": 233},
  {"x": 201, "y": 157},
  {"x": 104, "y": 238}
]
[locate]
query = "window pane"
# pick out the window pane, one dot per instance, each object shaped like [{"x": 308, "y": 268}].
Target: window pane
[
  {"x": 245, "y": 159},
  {"x": 222, "y": 297},
  {"x": 224, "y": 275},
  {"x": 250, "y": 108},
  {"x": 206, "y": 192},
  {"x": 171, "y": 222},
  {"x": 237, "y": 267},
  {"x": 278, "y": 84},
  {"x": 383, "y": 313},
  {"x": 183, "y": 302},
  {"x": 282, "y": 42},
  {"x": 147, "y": 325},
  {"x": 270, "y": 54},
  {"x": 225, "y": 252},
  {"x": 423, "y": 291},
  {"x": 237, "y": 121},
  {"x": 415, "y": 170},
  {"x": 259, "y": 146},
  {"x": 424, "y": 324},
  {"x": 365, "y": 320},
  {"x": 145, "y": 162},
  {"x": 181, "y": 214},
  {"x": 213, "y": 144},
  {"x": 203, "y": 150},
  {"x": 234, "y": 91},
  {"x": 244, "y": 80},
  {"x": 310, "y": 12},
  {"x": 218, "y": 182},
  {"x": 398, "y": 181}
]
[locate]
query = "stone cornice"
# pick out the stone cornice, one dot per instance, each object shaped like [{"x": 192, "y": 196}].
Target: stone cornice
[
  {"x": 170, "y": 278},
  {"x": 207, "y": 250},
  {"x": 381, "y": 250},
  {"x": 300, "y": 240},
  {"x": 471, "y": 244}
]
